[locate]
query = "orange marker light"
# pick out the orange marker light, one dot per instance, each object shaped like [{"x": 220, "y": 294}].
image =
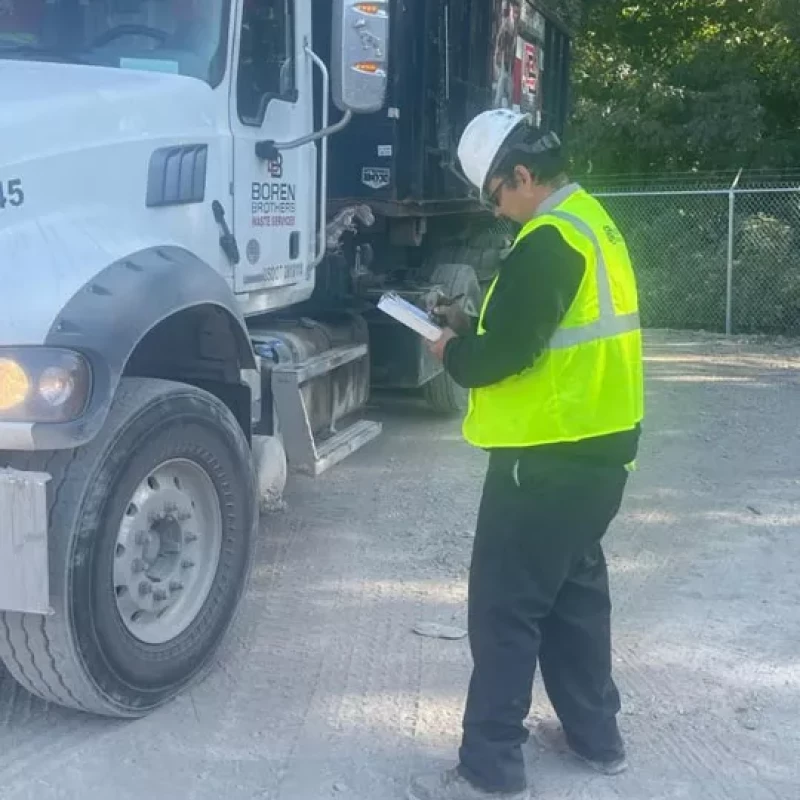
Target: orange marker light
[{"x": 370, "y": 67}]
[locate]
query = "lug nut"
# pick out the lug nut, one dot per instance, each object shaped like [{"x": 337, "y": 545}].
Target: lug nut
[
  {"x": 145, "y": 588},
  {"x": 138, "y": 565},
  {"x": 159, "y": 596},
  {"x": 191, "y": 537},
  {"x": 183, "y": 516},
  {"x": 187, "y": 564},
  {"x": 176, "y": 586},
  {"x": 140, "y": 538}
]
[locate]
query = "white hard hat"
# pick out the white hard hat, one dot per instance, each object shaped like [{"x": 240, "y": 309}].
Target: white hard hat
[{"x": 482, "y": 139}]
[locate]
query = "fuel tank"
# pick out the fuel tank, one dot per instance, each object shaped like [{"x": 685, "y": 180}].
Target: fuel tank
[{"x": 330, "y": 397}]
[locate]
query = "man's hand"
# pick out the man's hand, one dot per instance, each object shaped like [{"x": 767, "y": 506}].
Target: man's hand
[
  {"x": 454, "y": 317},
  {"x": 437, "y": 348},
  {"x": 445, "y": 311}
]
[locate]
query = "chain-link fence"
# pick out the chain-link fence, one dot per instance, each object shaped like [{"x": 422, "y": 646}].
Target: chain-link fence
[{"x": 720, "y": 258}]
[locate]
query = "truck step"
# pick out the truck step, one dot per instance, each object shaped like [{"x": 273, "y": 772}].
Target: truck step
[
  {"x": 303, "y": 451},
  {"x": 342, "y": 444}
]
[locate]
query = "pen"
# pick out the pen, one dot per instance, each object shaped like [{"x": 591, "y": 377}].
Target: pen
[{"x": 433, "y": 317}]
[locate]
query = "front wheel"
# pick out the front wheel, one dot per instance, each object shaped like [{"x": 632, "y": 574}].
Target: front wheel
[{"x": 152, "y": 529}]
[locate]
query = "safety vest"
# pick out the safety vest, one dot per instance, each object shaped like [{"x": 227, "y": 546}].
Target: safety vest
[{"x": 589, "y": 380}]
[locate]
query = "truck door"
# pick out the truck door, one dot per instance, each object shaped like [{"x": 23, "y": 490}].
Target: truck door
[{"x": 271, "y": 99}]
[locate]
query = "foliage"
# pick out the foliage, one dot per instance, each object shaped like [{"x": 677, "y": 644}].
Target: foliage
[
  {"x": 766, "y": 287},
  {"x": 676, "y": 85},
  {"x": 679, "y": 246}
]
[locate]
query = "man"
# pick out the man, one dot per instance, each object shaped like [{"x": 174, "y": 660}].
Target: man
[{"x": 554, "y": 369}]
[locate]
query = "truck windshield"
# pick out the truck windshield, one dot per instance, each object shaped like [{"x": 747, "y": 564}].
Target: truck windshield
[{"x": 183, "y": 37}]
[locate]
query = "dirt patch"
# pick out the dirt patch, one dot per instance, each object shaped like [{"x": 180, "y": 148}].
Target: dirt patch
[{"x": 329, "y": 692}]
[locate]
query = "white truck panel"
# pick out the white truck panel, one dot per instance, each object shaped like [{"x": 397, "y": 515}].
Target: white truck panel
[{"x": 78, "y": 140}]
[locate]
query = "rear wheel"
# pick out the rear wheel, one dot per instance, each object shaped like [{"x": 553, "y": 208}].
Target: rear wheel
[
  {"x": 442, "y": 393},
  {"x": 152, "y": 528},
  {"x": 482, "y": 249}
]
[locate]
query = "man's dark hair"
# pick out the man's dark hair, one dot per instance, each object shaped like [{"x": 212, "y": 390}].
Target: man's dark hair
[{"x": 525, "y": 148}]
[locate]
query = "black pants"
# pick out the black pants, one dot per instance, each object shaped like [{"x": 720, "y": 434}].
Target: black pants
[{"x": 538, "y": 589}]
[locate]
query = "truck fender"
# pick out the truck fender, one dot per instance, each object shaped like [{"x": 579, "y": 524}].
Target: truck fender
[{"x": 113, "y": 312}]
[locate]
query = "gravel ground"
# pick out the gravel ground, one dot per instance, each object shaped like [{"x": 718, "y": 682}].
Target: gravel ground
[{"x": 327, "y": 692}]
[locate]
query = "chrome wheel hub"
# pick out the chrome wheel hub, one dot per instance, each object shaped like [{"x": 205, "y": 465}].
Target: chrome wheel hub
[{"x": 167, "y": 551}]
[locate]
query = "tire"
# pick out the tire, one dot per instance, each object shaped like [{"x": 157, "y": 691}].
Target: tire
[
  {"x": 482, "y": 251},
  {"x": 442, "y": 393},
  {"x": 173, "y": 465}
]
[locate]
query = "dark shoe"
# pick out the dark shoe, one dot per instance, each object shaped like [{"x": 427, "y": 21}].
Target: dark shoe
[
  {"x": 550, "y": 734},
  {"x": 450, "y": 785}
]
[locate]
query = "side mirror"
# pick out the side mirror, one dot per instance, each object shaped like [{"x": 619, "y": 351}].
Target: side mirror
[{"x": 360, "y": 55}]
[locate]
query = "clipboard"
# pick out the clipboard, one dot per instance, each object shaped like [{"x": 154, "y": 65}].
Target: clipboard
[{"x": 409, "y": 315}]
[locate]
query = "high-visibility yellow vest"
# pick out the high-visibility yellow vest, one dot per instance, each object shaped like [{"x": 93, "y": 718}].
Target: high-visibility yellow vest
[{"x": 589, "y": 380}]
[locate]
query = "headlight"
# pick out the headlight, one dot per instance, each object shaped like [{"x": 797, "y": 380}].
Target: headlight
[
  {"x": 39, "y": 384},
  {"x": 14, "y": 384}
]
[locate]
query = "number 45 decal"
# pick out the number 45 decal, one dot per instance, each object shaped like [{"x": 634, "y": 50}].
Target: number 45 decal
[{"x": 11, "y": 194}]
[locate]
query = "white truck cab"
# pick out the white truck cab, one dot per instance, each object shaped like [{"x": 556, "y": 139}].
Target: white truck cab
[
  {"x": 162, "y": 188},
  {"x": 189, "y": 290}
]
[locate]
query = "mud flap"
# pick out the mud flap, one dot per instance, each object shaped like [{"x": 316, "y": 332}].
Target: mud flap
[{"x": 24, "y": 576}]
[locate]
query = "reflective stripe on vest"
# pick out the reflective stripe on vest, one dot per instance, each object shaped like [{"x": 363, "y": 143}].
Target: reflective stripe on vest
[{"x": 608, "y": 323}]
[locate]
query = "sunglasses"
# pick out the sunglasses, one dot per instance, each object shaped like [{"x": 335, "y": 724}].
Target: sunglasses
[{"x": 492, "y": 200}]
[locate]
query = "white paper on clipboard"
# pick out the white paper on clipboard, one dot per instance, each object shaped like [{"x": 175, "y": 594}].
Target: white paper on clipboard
[{"x": 409, "y": 315}]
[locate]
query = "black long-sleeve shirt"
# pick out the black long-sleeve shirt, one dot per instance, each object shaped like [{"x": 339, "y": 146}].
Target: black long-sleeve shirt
[{"x": 536, "y": 286}]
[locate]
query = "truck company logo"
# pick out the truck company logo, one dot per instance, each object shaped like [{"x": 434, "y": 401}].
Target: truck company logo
[
  {"x": 274, "y": 204},
  {"x": 376, "y": 177},
  {"x": 275, "y": 168}
]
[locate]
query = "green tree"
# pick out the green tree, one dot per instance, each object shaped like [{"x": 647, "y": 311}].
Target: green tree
[{"x": 674, "y": 85}]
